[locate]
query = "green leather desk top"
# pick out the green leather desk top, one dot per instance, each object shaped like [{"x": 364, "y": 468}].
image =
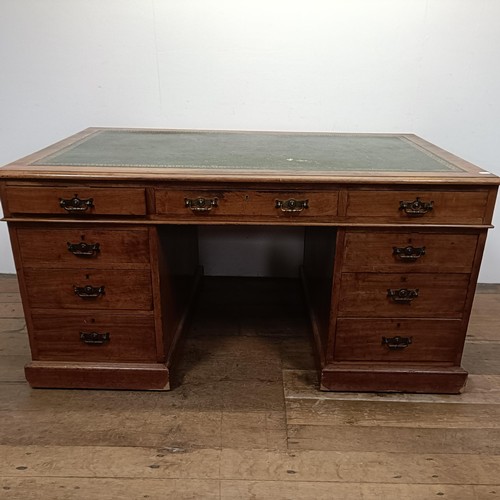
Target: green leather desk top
[
  {"x": 248, "y": 151},
  {"x": 218, "y": 156}
]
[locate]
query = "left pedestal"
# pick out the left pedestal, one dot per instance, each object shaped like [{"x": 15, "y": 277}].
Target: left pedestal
[{"x": 105, "y": 304}]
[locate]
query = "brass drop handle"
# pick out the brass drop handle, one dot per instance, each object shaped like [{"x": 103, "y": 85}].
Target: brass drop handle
[
  {"x": 76, "y": 204},
  {"x": 397, "y": 343},
  {"x": 94, "y": 338},
  {"x": 402, "y": 295},
  {"x": 201, "y": 204},
  {"x": 292, "y": 205},
  {"x": 83, "y": 249},
  {"x": 409, "y": 253},
  {"x": 416, "y": 208},
  {"x": 88, "y": 291}
]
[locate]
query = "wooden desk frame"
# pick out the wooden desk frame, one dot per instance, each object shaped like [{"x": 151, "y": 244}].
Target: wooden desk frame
[{"x": 391, "y": 261}]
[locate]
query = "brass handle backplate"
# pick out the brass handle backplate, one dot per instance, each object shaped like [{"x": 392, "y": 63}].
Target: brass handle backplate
[
  {"x": 292, "y": 205},
  {"x": 94, "y": 338},
  {"x": 396, "y": 343},
  {"x": 76, "y": 204},
  {"x": 416, "y": 208},
  {"x": 201, "y": 204},
  {"x": 402, "y": 295},
  {"x": 89, "y": 292},
  {"x": 409, "y": 253},
  {"x": 83, "y": 249}
]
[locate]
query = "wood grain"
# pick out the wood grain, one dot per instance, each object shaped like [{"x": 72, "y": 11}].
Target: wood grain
[
  {"x": 47, "y": 247},
  {"x": 37, "y": 488},
  {"x": 309, "y": 490},
  {"x": 106, "y": 201},
  {"x": 131, "y": 337},
  {"x": 129, "y": 289},
  {"x": 439, "y": 295},
  {"x": 373, "y": 251},
  {"x": 361, "y": 197},
  {"x": 11, "y": 309},
  {"x": 393, "y": 414},
  {"x": 459, "y": 207},
  {"x": 431, "y": 340},
  {"x": 249, "y": 433}
]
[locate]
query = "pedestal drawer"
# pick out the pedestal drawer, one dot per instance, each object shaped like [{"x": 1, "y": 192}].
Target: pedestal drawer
[
  {"x": 403, "y": 295},
  {"x": 78, "y": 247},
  {"x": 94, "y": 336},
  {"x": 75, "y": 200},
  {"x": 413, "y": 251},
  {"x": 393, "y": 340},
  {"x": 88, "y": 289},
  {"x": 418, "y": 206}
]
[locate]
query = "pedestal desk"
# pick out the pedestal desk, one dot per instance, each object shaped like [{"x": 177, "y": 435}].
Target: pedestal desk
[{"x": 104, "y": 224}]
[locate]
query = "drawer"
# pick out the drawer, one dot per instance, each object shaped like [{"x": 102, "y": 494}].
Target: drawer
[
  {"x": 80, "y": 336},
  {"x": 418, "y": 207},
  {"x": 200, "y": 203},
  {"x": 88, "y": 289},
  {"x": 415, "y": 251},
  {"x": 288, "y": 204},
  {"x": 251, "y": 204},
  {"x": 78, "y": 247},
  {"x": 75, "y": 200},
  {"x": 393, "y": 340},
  {"x": 403, "y": 295}
]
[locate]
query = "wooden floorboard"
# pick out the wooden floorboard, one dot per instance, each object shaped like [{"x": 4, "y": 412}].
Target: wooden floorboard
[{"x": 245, "y": 419}]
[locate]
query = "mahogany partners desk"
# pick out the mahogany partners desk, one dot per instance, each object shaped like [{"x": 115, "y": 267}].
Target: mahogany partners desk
[{"x": 103, "y": 227}]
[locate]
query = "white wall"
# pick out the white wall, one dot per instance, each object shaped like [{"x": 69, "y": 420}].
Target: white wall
[{"x": 428, "y": 67}]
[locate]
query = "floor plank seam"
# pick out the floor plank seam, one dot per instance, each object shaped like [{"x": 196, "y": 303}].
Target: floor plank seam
[
  {"x": 482, "y": 342},
  {"x": 260, "y": 480}
]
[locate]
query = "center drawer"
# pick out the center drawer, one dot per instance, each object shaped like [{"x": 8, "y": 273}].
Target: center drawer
[
  {"x": 254, "y": 205},
  {"x": 200, "y": 203},
  {"x": 88, "y": 289},
  {"x": 403, "y": 295}
]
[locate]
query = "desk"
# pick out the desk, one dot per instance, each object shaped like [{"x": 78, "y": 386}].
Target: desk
[{"x": 103, "y": 228}]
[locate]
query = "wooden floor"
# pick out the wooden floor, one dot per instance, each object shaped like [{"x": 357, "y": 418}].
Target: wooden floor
[{"x": 246, "y": 420}]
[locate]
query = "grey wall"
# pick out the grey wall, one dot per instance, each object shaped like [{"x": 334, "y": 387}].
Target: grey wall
[{"x": 427, "y": 67}]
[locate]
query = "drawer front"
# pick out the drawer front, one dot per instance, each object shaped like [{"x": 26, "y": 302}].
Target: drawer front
[
  {"x": 409, "y": 252},
  {"x": 76, "y": 201},
  {"x": 293, "y": 204},
  {"x": 96, "y": 336},
  {"x": 83, "y": 247},
  {"x": 418, "y": 207},
  {"x": 88, "y": 289},
  {"x": 393, "y": 340},
  {"x": 256, "y": 205},
  {"x": 403, "y": 295},
  {"x": 199, "y": 203}
]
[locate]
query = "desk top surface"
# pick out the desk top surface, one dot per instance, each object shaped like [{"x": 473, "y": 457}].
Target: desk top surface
[{"x": 209, "y": 155}]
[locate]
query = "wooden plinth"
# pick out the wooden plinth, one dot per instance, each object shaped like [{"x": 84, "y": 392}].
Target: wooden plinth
[
  {"x": 373, "y": 378},
  {"x": 132, "y": 376}
]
